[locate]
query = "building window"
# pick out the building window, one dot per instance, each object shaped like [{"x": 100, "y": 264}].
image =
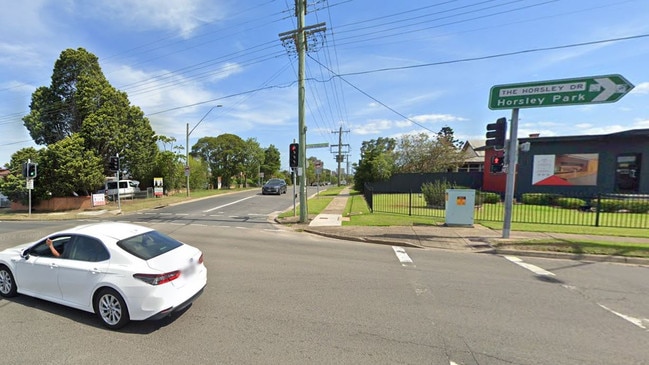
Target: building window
[
  {"x": 627, "y": 173},
  {"x": 468, "y": 167}
]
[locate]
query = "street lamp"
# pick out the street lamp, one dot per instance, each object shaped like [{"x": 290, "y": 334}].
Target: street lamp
[{"x": 187, "y": 144}]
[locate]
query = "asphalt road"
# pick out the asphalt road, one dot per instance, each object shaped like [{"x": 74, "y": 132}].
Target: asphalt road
[{"x": 284, "y": 297}]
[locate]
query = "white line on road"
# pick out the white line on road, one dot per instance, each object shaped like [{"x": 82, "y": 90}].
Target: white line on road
[
  {"x": 402, "y": 256},
  {"x": 635, "y": 321},
  {"x": 533, "y": 268},
  {"x": 225, "y": 205}
]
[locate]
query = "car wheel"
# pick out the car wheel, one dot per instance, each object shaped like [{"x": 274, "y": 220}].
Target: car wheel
[
  {"x": 7, "y": 283},
  {"x": 111, "y": 309}
]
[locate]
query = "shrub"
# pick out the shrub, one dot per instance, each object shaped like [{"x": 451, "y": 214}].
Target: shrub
[
  {"x": 615, "y": 205},
  {"x": 539, "y": 198},
  {"x": 435, "y": 192},
  {"x": 484, "y": 197},
  {"x": 570, "y": 203}
]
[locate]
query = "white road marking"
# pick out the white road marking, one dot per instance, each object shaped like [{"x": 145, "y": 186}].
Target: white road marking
[
  {"x": 225, "y": 205},
  {"x": 533, "y": 268},
  {"x": 402, "y": 256},
  {"x": 635, "y": 321}
]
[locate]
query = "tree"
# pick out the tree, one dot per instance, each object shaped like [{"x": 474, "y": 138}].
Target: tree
[
  {"x": 272, "y": 162},
  {"x": 253, "y": 158},
  {"x": 168, "y": 166},
  {"x": 13, "y": 185},
  {"x": 224, "y": 155},
  {"x": 376, "y": 163},
  {"x": 67, "y": 168},
  {"x": 419, "y": 153},
  {"x": 81, "y": 100},
  {"x": 76, "y": 91}
]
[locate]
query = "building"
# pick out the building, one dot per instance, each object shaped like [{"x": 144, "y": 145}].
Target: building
[{"x": 589, "y": 164}]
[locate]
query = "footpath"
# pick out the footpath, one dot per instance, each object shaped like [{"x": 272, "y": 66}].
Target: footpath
[{"x": 477, "y": 239}]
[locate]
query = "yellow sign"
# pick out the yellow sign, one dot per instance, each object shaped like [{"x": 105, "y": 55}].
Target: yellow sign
[{"x": 461, "y": 200}]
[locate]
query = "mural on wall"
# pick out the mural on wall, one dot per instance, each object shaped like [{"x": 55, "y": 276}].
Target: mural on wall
[{"x": 565, "y": 170}]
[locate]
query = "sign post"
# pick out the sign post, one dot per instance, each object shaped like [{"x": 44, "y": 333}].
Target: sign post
[
  {"x": 585, "y": 90},
  {"x": 563, "y": 92}
]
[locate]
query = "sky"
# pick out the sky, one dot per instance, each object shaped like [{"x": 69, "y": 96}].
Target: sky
[{"x": 373, "y": 69}]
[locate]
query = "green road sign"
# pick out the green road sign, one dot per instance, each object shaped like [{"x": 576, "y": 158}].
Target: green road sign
[
  {"x": 586, "y": 90},
  {"x": 317, "y": 145}
]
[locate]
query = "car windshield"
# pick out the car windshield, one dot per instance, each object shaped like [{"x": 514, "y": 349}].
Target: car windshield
[
  {"x": 149, "y": 245},
  {"x": 274, "y": 182}
]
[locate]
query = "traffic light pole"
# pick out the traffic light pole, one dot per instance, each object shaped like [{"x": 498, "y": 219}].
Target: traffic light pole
[
  {"x": 301, "y": 53},
  {"x": 511, "y": 152},
  {"x": 119, "y": 202}
]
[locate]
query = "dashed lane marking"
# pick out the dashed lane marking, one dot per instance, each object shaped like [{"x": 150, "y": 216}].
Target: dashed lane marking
[
  {"x": 636, "y": 321},
  {"x": 225, "y": 205},
  {"x": 402, "y": 256},
  {"x": 533, "y": 268}
]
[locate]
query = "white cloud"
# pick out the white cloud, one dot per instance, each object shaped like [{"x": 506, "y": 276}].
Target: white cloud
[
  {"x": 182, "y": 16},
  {"x": 641, "y": 88},
  {"x": 372, "y": 127},
  {"x": 437, "y": 118}
]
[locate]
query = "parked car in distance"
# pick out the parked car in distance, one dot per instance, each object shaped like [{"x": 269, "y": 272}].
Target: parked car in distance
[
  {"x": 119, "y": 271},
  {"x": 274, "y": 186},
  {"x": 127, "y": 188}
]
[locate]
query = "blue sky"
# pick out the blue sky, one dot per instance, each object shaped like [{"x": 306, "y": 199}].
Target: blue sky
[{"x": 381, "y": 69}]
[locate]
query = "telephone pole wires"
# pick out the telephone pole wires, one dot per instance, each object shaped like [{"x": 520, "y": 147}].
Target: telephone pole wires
[
  {"x": 298, "y": 37},
  {"x": 340, "y": 155}
]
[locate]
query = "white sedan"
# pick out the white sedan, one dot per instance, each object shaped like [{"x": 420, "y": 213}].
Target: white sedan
[{"x": 119, "y": 271}]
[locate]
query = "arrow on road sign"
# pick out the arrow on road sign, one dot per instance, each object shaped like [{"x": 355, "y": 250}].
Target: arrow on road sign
[{"x": 587, "y": 90}]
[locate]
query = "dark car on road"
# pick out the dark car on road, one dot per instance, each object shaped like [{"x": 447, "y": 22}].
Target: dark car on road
[{"x": 274, "y": 186}]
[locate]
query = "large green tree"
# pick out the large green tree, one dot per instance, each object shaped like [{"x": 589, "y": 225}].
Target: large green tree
[
  {"x": 80, "y": 100},
  {"x": 70, "y": 168},
  {"x": 272, "y": 162},
  {"x": 376, "y": 163},
  {"x": 224, "y": 154},
  {"x": 421, "y": 153},
  {"x": 253, "y": 158},
  {"x": 13, "y": 185}
]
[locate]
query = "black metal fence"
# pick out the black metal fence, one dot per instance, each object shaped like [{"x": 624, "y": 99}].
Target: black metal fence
[{"x": 600, "y": 210}]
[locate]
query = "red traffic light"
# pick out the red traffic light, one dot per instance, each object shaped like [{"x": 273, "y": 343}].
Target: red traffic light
[{"x": 294, "y": 155}]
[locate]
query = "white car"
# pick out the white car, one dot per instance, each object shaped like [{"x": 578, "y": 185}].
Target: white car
[{"x": 119, "y": 271}]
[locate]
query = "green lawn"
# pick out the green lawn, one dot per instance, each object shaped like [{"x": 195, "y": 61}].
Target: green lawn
[{"x": 360, "y": 215}]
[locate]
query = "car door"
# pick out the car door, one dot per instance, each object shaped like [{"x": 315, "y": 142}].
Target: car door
[
  {"x": 86, "y": 265},
  {"x": 37, "y": 275}
]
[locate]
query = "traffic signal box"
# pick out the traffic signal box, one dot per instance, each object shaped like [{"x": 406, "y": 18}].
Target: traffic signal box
[
  {"x": 497, "y": 163},
  {"x": 496, "y": 134},
  {"x": 113, "y": 163},
  {"x": 294, "y": 155},
  {"x": 31, "y": 170}
]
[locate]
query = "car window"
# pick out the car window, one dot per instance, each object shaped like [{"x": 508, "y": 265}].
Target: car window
[
  {"x": 41, "y": 249},
  {"x": 149, "y": 245},
  {"x": 84, "y": 248}
]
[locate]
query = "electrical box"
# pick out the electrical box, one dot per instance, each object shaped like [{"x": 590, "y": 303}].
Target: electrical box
[{"x": 460, "y": 204}]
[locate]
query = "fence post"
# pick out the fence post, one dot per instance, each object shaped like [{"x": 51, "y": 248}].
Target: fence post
[
  {"x": 410, "y": 203},
  {"x": 597, "y": 209}
]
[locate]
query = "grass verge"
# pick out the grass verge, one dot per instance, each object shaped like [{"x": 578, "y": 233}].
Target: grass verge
[{"x": 613, "y": 241}]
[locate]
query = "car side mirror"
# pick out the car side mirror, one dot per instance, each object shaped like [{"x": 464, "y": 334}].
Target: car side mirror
[{"x": 25, "y": 254}]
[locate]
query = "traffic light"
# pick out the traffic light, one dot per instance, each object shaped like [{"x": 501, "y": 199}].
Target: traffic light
[
  {"x": 497, "y": 163},
  {"x": 32, "y": 170},
  {"x": 294, "y": 154},
  {"x": 496, "y": 133},
  {"x": 113, "y": 163}
]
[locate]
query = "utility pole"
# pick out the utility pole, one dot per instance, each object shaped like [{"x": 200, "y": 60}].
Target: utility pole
[
  {"x": 339, "y": 154},
  {"x": 299, "y": 38}
]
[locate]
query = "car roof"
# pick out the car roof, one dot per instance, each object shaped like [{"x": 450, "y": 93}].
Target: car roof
[{"x": 115, "y": 230}]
